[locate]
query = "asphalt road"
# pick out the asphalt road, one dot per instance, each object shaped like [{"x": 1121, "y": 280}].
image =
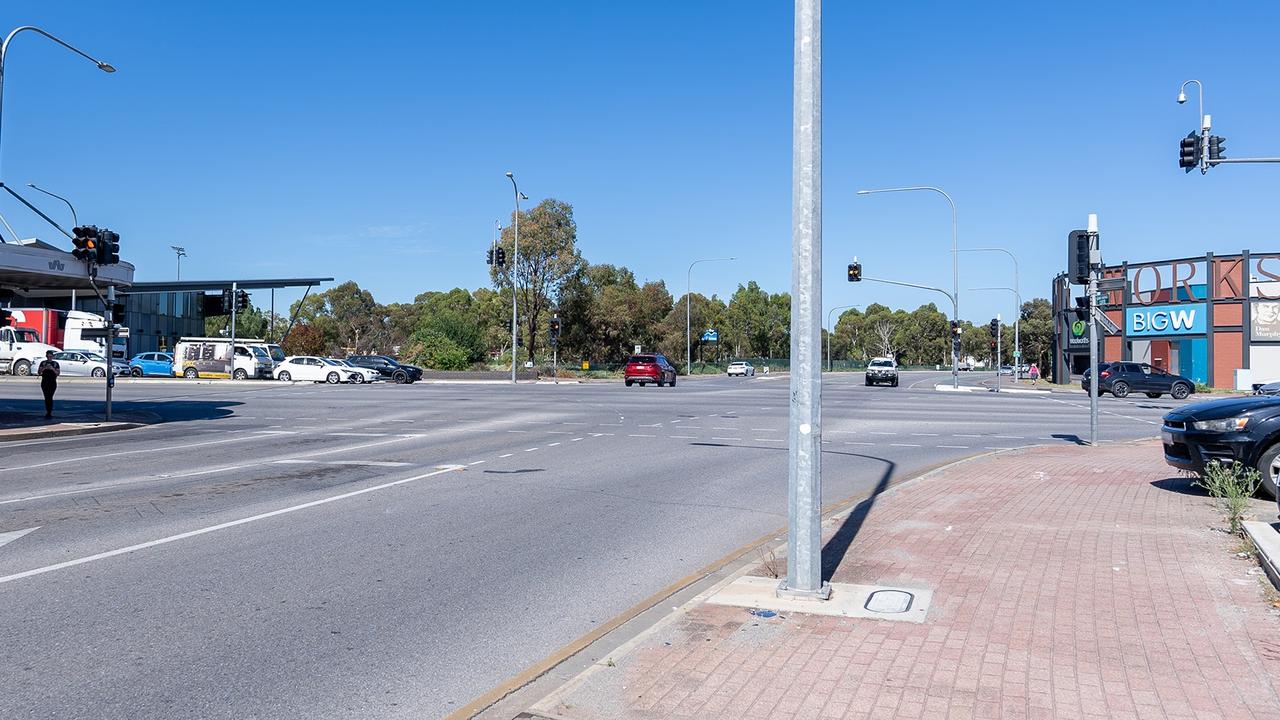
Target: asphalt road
[{"x": 280, "y": 551}]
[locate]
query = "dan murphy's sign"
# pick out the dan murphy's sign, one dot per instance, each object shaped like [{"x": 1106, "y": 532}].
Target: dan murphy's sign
[{"x": 1181, "y": 319}]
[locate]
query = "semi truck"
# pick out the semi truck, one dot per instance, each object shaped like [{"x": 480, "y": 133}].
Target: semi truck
[{"x": 33, "y": 331}]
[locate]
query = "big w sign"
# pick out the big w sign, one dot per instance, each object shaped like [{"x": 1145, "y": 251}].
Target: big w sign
[{"x": 1181, "y": 319}]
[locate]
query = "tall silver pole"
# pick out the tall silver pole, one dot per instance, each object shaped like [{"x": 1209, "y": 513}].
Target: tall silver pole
[
  {"x": 515, "y": 265},
  {"x": 804, "y": 481},
  {"x": 1094, "y": 258},
  {"x": 234, "y": 288},
  {"x": 109, "y": 314}
]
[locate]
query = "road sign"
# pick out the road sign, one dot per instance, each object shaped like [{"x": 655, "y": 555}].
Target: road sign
[
  {"x": 101, "y": 333},
  {"x": 1115, "y": 283},
  {"x": 1017, "y": 354},
  {"x": 1109, "y": 327},
  {"x": 710, "y": 336},
  {"x": 586, "y": 365}
]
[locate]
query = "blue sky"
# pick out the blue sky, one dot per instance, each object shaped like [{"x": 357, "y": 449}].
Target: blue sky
[{"x": 369, "y": 141}]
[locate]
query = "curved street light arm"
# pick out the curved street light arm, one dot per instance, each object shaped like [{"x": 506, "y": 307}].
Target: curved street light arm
[
  {"x": 75, "y": 221},
  {"x": 688, "y": 312}
]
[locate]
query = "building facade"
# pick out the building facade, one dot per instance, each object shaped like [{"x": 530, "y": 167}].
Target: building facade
[
  {"x": 1212, "y": 318},
  {"x": 155, "y": 319}
]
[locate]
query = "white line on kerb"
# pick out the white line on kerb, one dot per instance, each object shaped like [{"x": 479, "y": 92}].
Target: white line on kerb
[{"x": 220, "y": 526}]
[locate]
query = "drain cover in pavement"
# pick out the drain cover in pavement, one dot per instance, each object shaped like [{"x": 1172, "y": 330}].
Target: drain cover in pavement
[{"x": 889, "y": 601}]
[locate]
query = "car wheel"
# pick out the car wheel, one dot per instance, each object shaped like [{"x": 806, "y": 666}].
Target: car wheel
[
  {"x": 1120, "y": 389},
  {"x": 190, "y": 373},
  {"x": 284, "y": 376},
  {"x": 867, "y": 382},
  {"x": 628, "y": 383},
  {"x": 1269, "y": 468},
  {"x": 136, "y": 372},
  {"x": 357, "y": 378},
  {"x": 22, "y": 367},
  {"x": 99, "y": 372},
  {"x": 240, "y": 375},
  {"x": 1180, "y": 391},
  {"x": 673, "y": 381},
  {"x": 1153, "y": 395},
  {"x": 333, "y": 378},
  {"x": 894, "y": 384},
  {"x": 400, "y": 378}
]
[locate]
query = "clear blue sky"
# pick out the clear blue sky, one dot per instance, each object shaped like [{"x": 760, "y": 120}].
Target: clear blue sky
[{"x": 368, "y": 141}]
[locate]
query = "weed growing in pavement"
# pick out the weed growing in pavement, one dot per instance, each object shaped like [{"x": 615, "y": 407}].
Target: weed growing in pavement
[
  {"x": 1232, "y": 486},
  {"x": 769, "y": 562}
]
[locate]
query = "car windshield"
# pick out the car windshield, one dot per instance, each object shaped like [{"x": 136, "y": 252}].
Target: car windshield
[
  {"x": 327, "y": 361},
  {"x": 277, "y": 352},
  {"x": 94, "y": 357},
  {"x": 260, "y": 353},
  {"x": 642, "y": 359},
  {"x": 881, "y": 363},
  {"x": 24, "y": 335}
]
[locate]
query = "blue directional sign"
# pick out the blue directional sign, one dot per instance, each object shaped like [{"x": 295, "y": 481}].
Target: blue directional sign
[{"x": 710, "y": 336}]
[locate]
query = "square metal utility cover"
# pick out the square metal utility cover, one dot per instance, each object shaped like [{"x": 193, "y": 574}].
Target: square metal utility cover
[{"x": 847, "y": 600}]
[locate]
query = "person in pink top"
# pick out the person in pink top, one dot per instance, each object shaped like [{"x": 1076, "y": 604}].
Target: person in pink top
[{"x": 1034, "y": 372}]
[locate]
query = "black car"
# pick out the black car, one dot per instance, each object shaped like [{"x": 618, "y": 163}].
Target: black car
[
  {"x": 1245, "y": 429},
  {"x": 1122, "y": 378},
  {"x": 388, "y": 368}
]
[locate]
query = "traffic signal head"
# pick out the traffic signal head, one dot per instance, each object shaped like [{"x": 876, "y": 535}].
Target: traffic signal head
[
  {"x": 500, "y": 257},
  {"x": 108, "y": 247},
  {"x": 1078, "y": 266},
  {"x": 956, "y": 330},
  {"x": 555, "y": 326},
  {"x": 855, "y": 271},
  {"x": 85, "y": 240},
  {"x": 1081, "y": 309},
  {"x": 995, "y": 328},
  {"x": 1189, "y": 151},
  {"x": 488, "y": 260},
  {"x": 242, "y": 300},
  {"x": 226, "y": 302},
  {"x": 1217, "y": 146}
]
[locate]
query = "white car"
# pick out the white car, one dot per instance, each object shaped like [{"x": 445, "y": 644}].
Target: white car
[
  {"x": 82, "y": 363},
  {"x": 359, "y": 374},
  {"x": 742, "y": 368},
  {"x": 315, "y": 369}
]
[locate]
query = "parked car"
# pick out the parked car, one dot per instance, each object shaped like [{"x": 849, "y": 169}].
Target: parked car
[
  {"x": 964, "y": 366},
  {"x": 152, "y": 363},
  {"x": 360, "y": 374},
  {"x": 315, "y": 369},
  {"x": 1005, "y": 370},
  {"x": 82, "y": 363},
  {"x": 882, "y": 370},
  {"x": 646, "y": 369},
  {"x": 1122, "y": 378},
  {"x": 388, "y": 368},
  {"x": 1243, "y": 429},
  {"x": 741, "y": 368}
]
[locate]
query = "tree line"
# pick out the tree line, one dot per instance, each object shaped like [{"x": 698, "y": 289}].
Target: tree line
[{"x": 604, "y": 313}]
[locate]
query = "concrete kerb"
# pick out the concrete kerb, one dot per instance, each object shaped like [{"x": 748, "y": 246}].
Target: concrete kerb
[
  {"x": 728, "y": 568},
  {"x": 69, "y": 429},
  {"x": 1266, "y": 539}
]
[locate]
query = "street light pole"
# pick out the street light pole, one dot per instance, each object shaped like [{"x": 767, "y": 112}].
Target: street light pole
[
  {"x": 688, "y": 303},
  {"x": 181, "y": 252},
  {"x": 515, "y": 266},
  {"x": 832, "y": 332},
  {"x": 955, "y": 268},
  {"x": 75, "y": 221},
  {"x": 4, "y": 52},
  {"x": 1017, "y": 347}
]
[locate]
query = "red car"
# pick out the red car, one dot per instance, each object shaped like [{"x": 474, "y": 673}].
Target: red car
[{"x": 649, "y": 369}]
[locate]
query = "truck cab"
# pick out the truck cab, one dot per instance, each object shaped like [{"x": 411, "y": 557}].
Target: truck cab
[{"x": 21, "y": 350}]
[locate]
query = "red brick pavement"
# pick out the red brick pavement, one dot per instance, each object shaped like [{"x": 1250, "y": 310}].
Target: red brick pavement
[{"x": 1069, "y": 583}]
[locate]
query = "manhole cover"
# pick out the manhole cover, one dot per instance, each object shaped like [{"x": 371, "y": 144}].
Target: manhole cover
[{"x": 889, "y": 601}]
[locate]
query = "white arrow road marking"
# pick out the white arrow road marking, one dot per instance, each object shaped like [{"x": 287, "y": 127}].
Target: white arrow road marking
[{"x": 8, "y": 537}]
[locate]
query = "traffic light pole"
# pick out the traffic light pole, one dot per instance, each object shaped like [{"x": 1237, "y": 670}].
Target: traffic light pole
[
  {"x": 111, "y": 331},
  {"x": 998, "y": 358},
  {"x": 234, "y": 299},
  {"x": 955, "y": 312},
  {"x": 1094, "y": 260}
]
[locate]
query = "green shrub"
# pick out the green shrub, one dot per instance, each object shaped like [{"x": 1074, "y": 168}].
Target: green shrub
[
  {"x": 1232, "y": 486},
  {"x": 1203, "y": 388},
  {"x": 432, "y": 350}
]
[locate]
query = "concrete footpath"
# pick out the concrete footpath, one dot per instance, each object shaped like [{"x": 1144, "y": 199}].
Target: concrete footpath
[{"x": 1067, "y": 582}]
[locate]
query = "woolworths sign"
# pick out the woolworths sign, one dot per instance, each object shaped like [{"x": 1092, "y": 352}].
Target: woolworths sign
[{"x": 1182, "y": 319}]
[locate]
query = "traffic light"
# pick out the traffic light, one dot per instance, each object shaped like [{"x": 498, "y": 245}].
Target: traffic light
[
  {"x": 855, "y": 271},
  {"x": 1217, "y": 146},
  {"x": 85, "y": 241},
  {"x": 1081, "y": 309},
  {"x": 489, "y": 257},
  {"x": 500, "y": 257},
  {"x": 1078, "y": 268},
  {"x": 1189, "y": 152},
  {"x": 994, "y": 326},
  {"x": 108, "y": 247},
  {"x": 117, "y": 312},
  {"x": 226, "y": 302},
  {"x": 956, "y": 330},
  {"x": 242, "y": 301}
]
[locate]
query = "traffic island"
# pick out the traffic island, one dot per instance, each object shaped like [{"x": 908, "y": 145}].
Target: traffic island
[
  {"x": 18, "y": 425},
  {"x": 1066, "y": 582}
]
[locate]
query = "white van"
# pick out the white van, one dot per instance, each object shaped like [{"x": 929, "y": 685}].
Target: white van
[{"x": 199, "y": 357}]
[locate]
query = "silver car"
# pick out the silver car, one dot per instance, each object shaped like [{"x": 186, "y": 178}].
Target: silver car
[
  {"x": 82, "y": 363},
  {"x": 741, "y": 368}
]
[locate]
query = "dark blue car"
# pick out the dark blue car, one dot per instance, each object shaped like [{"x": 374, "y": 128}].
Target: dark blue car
[{"x": 151, "y": 363}]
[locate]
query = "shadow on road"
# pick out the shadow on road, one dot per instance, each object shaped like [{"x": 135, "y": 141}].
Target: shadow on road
[
  {"x": 21, "y": 413},
  {"x": 521, "y": 471}
]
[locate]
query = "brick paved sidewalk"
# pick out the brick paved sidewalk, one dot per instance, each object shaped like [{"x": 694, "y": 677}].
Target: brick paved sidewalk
[{"x": 1068, "y": 582}]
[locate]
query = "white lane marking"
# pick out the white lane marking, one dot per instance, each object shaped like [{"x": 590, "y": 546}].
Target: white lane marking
[
  {"x": 658, "y": 424},
  {"x": 356, "y": 434},
  {"x": 770, "y": 440},
  {"x": 170, "y": 448},
  {"x": 957, "y": 447},
  {"x": 724, "y": 428},
  {"x": 725, "y": 438},
  {"x": 507, "y": 455},
  {"x": 674, "y": 421},
  {"x": 530, "y": 449},
  {"x": 768, "y": 430},
  {"x": 221, "y": 526},
  {"x": 559, "y": 432},
  {"x": 874, "y": 432},
  {"x": 275, "y": 432},
  {"x": 683, "y": 437},
  {"x": 576, "y": 439},
  {"x": 295, "y": 462},
  {"x": 902, "y": 445},
  {"x": 1008, "y": 437},
  {"x": 962, "y": 435},
  {"x": 517, "y": 431},
  {"x": 370, "y": 463},
  {"x": 693, "y": 427},
  {"x": 476, "y": 462},
  {"x": 306, "y": 418},
  {"x": 574, "y": 423},
  {"x": 642, "y": 436},
  {"x": 924, "y": 434},
  {"x": 8, "y": 537},
  {"x": 552, "y": 444},
  {"x": 859, "y": 443}
]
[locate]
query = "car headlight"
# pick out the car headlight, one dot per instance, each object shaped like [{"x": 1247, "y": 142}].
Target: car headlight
[{"x": 1223, "y": 425}]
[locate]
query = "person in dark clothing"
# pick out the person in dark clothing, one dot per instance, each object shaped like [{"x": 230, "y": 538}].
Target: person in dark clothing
[{"x": 49, "y": 371}]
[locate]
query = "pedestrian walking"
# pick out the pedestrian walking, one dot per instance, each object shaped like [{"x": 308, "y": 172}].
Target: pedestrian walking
[
  {"x": 49, "y": 371},
  {"x": 1034, "y": 372}
]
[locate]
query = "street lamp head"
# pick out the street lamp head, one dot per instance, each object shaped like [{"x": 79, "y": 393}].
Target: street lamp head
[
  {"x": 864, "y": 192},
  {"x": 523, "y": 196},
  {"x": 510, "y": 175},
  {"x": 106, "y": 67},
  {"x": 1182, "y": 97}
]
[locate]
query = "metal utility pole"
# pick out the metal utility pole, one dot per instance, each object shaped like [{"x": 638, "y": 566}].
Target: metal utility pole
[
  {"x": 1017, "y": 316},
  {"x": 688, "y": 304},
  {"x": 997, "y": 353},
  {"x": 515, "y": 265},
  {"x": 181, "y": 252},
  {"x": 804, "y": 479},
  {"x": 111, "y": 333},
  {"x": 1095, "y": 260},
  {"x": 234, "y": 298}
]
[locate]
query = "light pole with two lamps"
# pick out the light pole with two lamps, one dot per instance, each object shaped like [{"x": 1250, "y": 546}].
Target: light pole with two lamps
[
  {"x": 181, "y": 252},
  {"x": 1017, "y": 291}
]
